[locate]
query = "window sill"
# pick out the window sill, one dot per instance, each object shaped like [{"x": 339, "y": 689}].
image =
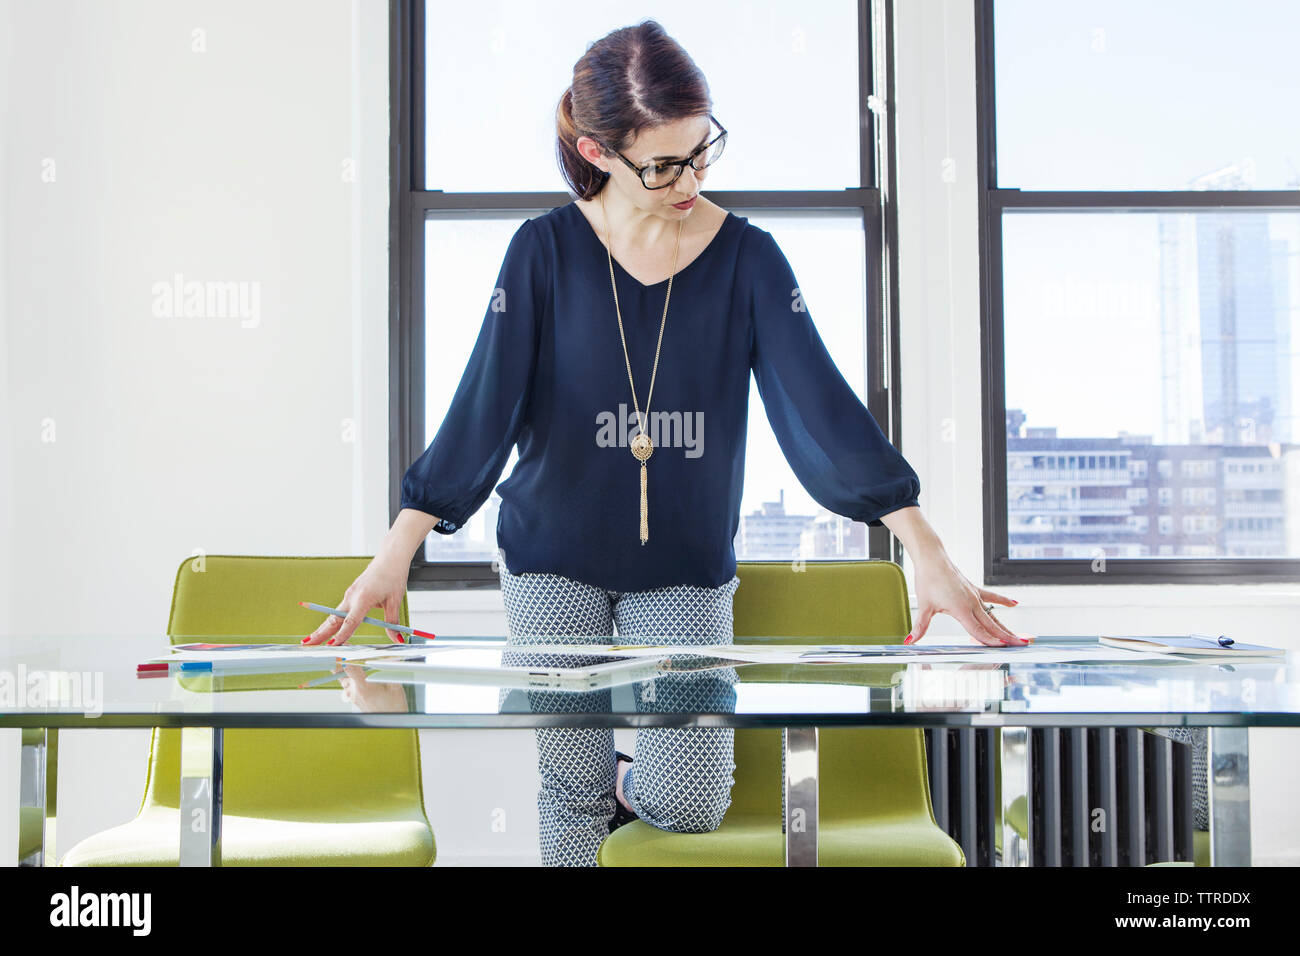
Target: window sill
[
  {"x": 455, "y": 599},
  {"x": 1147, "y": 595}
]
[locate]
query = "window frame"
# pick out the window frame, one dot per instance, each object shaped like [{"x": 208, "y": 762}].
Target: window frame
[
  {"x": 411, "y": 204},
  {"x": 993, "y": 201}
]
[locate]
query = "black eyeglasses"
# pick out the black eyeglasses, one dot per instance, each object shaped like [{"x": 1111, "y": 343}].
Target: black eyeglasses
[{"x": 661, "y": 175}]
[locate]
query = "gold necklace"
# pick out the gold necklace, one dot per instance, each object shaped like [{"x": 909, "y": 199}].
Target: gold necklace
[{"x": 642, "y": 446}]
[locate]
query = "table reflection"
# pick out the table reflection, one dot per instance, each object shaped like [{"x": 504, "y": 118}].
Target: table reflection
[{"x": 94, "y": 678}]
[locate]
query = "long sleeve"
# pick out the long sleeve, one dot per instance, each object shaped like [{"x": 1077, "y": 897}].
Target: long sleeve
[
  {"x": 459, "y": 469},
  {"x": 833, "y": 444}
]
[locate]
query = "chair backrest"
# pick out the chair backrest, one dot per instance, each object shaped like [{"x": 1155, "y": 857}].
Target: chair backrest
[
  {"x": 845, "y": 602},
  {"x": 298, "y": 773},
  {"x": 863, "y": 770}
]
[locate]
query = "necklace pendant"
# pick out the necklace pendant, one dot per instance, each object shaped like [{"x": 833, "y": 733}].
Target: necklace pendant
[
  {"x": 645, "y": 516},
  {"x": 642, "y": 447}
]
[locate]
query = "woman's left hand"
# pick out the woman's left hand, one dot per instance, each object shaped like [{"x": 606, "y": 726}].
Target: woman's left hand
[{"x": 941, "y": 588}]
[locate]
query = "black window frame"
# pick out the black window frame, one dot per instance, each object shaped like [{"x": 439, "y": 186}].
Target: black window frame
[
  {"x": 411, "y": 204},
  {"x": 999, "y": 568}
]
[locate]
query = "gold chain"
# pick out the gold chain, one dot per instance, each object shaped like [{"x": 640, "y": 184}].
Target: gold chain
[{"x": 642, "y": 446}]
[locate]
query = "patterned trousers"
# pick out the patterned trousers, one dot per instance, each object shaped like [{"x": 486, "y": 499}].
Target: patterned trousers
[{"x": 681, "y": 778}]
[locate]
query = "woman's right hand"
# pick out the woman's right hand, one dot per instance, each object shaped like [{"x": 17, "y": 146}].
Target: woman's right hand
[{"x": 381, "y": 584}]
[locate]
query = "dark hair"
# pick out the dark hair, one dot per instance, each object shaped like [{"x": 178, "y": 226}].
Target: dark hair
[{"x": 629, "y": 80}]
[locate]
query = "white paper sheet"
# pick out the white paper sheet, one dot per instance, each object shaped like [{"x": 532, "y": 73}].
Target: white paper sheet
[
  {"x": 747, "y": 653},
  {"x": 853, "y": 653},
  {"x": 237, "y": 654}
]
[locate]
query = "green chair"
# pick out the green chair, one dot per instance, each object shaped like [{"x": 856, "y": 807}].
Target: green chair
[
  {"x": 874, "y": 793},
  {"x": 30, "y": 822},
  {"x": 295, "y": 797}
]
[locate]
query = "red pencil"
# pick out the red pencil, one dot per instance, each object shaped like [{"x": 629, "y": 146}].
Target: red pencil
[{"x": 402, "y": 628}]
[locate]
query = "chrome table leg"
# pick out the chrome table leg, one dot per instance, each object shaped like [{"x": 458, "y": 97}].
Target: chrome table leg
[
  {"x": 1015, "y": 784},
  {"x": 200, "y": 816},
  {"x": 800, "y": 746},
  {"x": 1229, "y": 792},
  {"x": 38, "y": 793}
]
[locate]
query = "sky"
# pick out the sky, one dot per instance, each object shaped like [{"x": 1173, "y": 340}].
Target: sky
[{"x": 1124, "y": 96}]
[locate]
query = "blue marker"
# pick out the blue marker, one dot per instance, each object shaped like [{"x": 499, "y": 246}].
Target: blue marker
[{"x": 196, "y": 665}]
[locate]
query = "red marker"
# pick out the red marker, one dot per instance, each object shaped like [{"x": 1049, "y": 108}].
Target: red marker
[{"x": 160, "y": 669}]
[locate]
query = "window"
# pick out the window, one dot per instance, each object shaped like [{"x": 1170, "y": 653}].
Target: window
[
  {"x": 1141, "y": 277},
  {"x": 1193, "y": 468},
  {"x": 480, "y": 69}
]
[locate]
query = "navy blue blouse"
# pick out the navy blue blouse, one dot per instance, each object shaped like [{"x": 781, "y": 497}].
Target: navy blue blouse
[{"x": 547, "y": 372}]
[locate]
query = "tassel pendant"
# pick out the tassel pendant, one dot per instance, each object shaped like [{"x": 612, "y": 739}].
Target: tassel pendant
[
  {"x": 645, "y": 509},
  {"x": 642, "y": 448}
]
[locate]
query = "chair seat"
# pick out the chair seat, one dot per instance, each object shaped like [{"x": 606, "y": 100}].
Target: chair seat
[
  {"x": 757, "y": 840},
  {"x": 153, "y": 839},
  {"x": 30, "y": 822}
]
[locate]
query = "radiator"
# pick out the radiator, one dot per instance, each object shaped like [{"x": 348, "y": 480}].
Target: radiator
[{"x": 1108, "y": 796}]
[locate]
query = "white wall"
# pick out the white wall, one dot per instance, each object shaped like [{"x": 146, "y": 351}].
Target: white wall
[
  {"x": 181, "y": 434},
  {"x": 173, "y": 434},
  {"x": 6, "y": 444},
  {"x": 8, "y": 738}
]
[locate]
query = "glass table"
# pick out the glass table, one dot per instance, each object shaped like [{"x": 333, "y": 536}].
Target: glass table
[{"x": 49, "y": 683}]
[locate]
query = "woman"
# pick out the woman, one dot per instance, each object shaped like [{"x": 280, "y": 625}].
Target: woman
[{"x": 620, "y": 514}]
